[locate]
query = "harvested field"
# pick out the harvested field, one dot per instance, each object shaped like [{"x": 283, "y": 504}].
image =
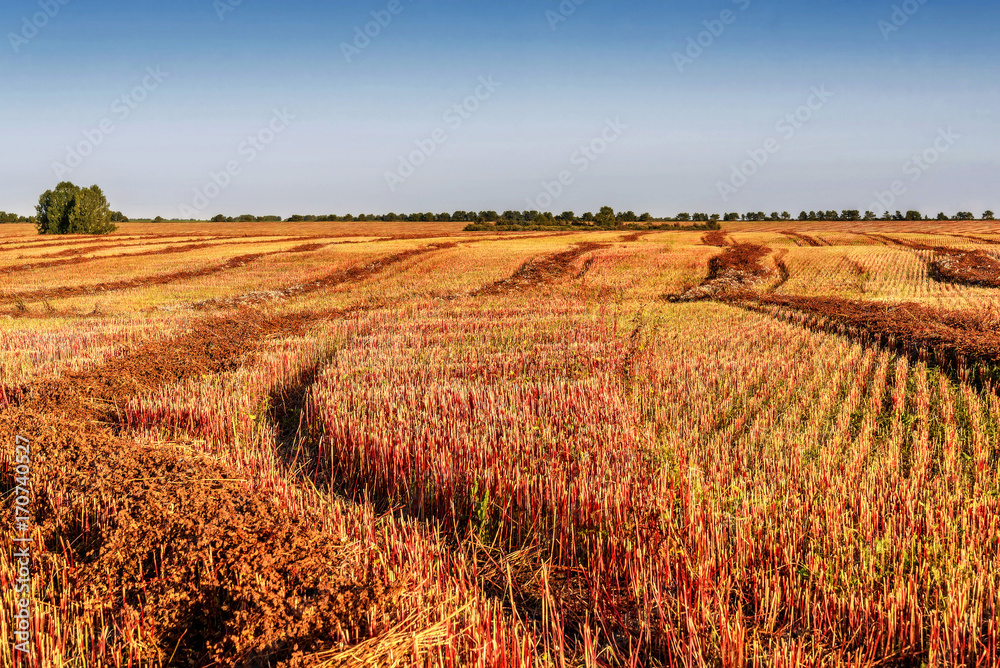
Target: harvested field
[
  {"x": 428, "y": 448},
  {"x": 156, "y": 279}
]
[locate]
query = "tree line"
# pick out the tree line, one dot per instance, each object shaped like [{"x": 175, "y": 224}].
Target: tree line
[
  {"x": 603, "y": 218},
  {"x": 70, "y": 209}
]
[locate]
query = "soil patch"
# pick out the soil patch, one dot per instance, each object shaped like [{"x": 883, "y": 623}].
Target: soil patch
[
  {"x": 798, "y": 237},
  {"x": 225, "y": 575},
  {"x": 737, "y": 269},
  {"x": 783, "y": 272},
  {"x": 715, "y": 238},
  {"x": 954, "y": 265},
  {"x": 540, "y": 271},
  {"x": 957, "y": 339}
]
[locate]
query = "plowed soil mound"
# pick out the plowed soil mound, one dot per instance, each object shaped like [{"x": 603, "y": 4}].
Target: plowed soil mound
[
  {"x": 540, "y": 271},
  {"x": 737, "y": 269},
  {"x": 954, "y": 265},
  {"x": 782, "y": 268},
  {"x": 969, "y": 268},
  {"x": 982, "y": 240},
  {"x": 799, "y": 237},
  {"x": 715, "y": 238},
  {"x": 960, "y": 337},
  {"x": 223, "y": 576}
]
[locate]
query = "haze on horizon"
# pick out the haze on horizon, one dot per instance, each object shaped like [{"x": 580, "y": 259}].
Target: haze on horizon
[{"x": 291, "y": 108}]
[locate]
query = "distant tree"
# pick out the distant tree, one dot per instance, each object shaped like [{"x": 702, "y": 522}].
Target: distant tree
[
  {"x": 812, "y": 216},
  {"x": 869, "y": 215},
  {"x": 683, "y": 217},
  {"x": 69, "y": 209},
  {"x": 731, "y": 216},
  {"x": 7, "y": 218},
  {"x": 117, "y": 217},
  {"x": 714, "y": 217},
  {"x": 605, "y": 217},
  {"x": 942, "y": 216},
  {"x": 914, "y": 215},
  {"x": 987, "y": 215},
  {"x": 588, "y": 217},
  {"x": 247, "y": 218},
  {"x": 775, "y": 215},
  {"x": 648, "y": 217},
  {"x": 158, "y": 219},
  {"x": 850, "y": 214},
  {"x": 803, "y": 215},
  {"x": 964, "y": 215},
  {"x": 785, "y": 215},
  {"x": 567, "y": 216}
]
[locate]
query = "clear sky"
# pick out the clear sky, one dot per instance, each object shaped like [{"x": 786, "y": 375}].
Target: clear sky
[{"x": 288, "y": 107}]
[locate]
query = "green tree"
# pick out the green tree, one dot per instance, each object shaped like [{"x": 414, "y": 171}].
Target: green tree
[
  {"x": 988, "y": 215},
  {"x": 605, "y": 217},
  {"x": 69, "y": 209}
]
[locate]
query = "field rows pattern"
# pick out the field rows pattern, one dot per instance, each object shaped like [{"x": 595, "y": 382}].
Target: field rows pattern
[{"x": 474, "y": 450}]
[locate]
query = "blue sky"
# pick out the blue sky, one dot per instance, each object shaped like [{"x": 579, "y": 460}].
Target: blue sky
[{"x": 728, "y": 105}]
